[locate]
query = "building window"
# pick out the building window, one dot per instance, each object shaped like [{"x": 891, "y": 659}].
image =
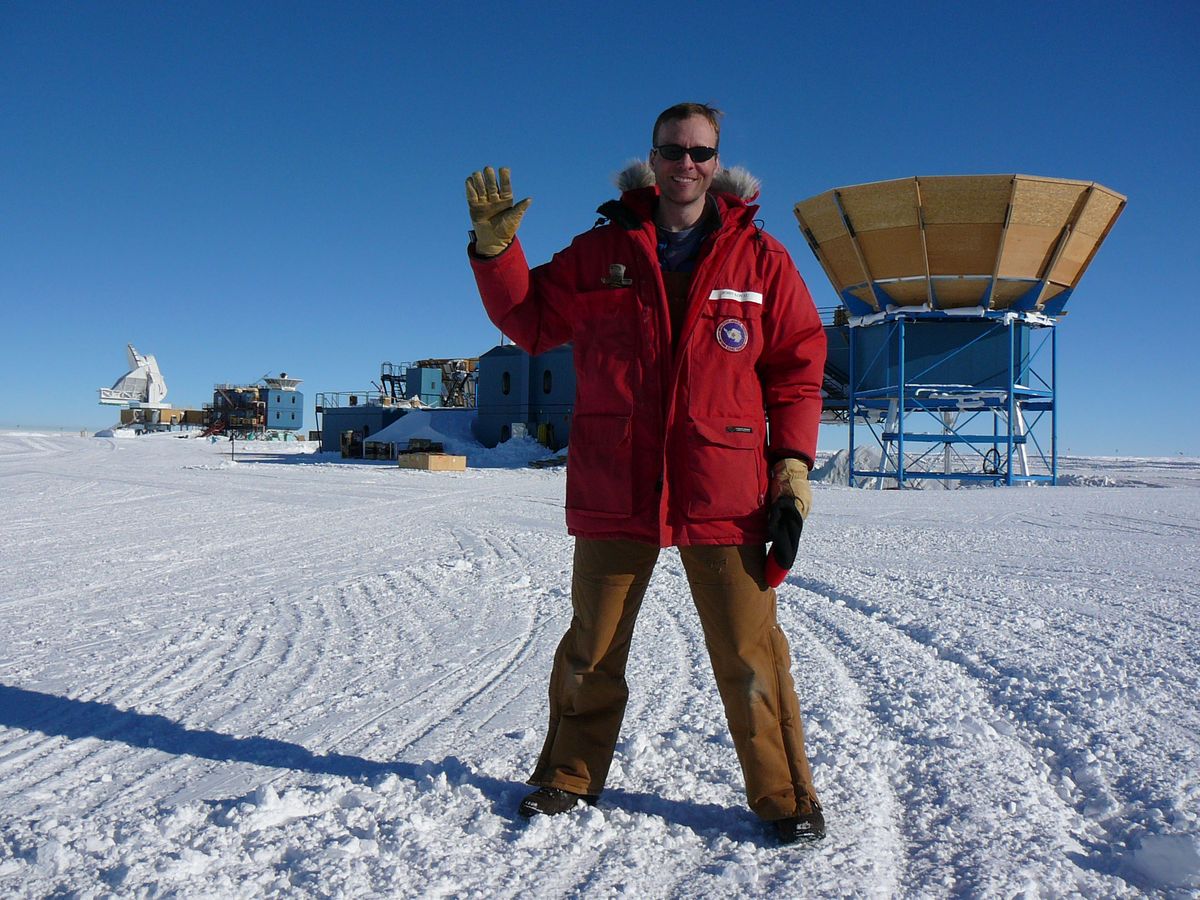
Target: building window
[
  {"x": 547, "y": 381},
  {"x": 505, "y": 386},
  {"x": 505, "y": 431}
]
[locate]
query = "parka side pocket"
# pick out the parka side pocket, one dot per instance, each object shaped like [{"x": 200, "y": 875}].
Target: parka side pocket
[
  {"x": 600, "y": 465},
  {"x": 726, "y": 468}
]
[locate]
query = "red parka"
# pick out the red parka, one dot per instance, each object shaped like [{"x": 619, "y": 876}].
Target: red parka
[{"x": 671, "y": 446}]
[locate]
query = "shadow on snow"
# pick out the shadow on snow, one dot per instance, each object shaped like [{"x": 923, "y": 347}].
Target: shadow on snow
[{"x": 53, "y": 715}]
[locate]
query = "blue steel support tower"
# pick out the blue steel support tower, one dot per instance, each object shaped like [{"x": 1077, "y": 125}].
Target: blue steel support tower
[{"x": 948, "y": 398}]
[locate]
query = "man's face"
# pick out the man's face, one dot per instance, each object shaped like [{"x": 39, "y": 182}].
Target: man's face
[{"x": 684, "y": 181}]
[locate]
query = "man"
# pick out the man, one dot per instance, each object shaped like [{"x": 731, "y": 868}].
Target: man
[{"x": 691, "y": 329}]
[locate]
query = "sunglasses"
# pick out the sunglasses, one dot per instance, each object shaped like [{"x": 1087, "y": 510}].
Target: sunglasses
[{"x": 674, "y": 153}]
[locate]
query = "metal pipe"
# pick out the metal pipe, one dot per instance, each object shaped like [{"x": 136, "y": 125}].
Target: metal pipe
[
  {"x": 903, "y": 402},
  {"x": 1054, "y": 404},
  {"x": 1012, "y": 350},
  {"x": 852, "y": 400}
]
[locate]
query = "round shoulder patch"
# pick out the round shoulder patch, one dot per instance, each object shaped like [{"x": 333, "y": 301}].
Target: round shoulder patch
[{"x": 732, "y": 335}]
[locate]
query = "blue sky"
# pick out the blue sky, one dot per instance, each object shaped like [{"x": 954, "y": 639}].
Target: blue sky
[{"x": 249, "y": 188}]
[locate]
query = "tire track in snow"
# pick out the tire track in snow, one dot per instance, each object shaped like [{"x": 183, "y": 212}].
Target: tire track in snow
[
  {"x": 203, "y": 693},
  {"x": 1072, "y": 725},
  {"x": 202, "y": 696},
  {"x": 326, "y": 689},
  {"x": 52, "y": 763},
  {"x": 1126, "y": 525},
  {"x": 475, "y": 680},
  {"x": 851, "y": 757},
  {"x": 959, "y": 760},
  {"x": 665, "y": 666},
  {"x": 400, "y": 696},
  {"x": 206, "y": 681}
]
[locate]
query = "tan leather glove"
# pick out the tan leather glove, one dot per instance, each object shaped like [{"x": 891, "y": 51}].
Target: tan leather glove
[
  {"x": 493, "y": 215},
  {"x": 789, "y": 478}
]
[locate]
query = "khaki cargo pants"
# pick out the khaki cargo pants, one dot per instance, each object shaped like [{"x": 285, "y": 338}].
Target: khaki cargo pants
[{"x": 749, "y": 654}]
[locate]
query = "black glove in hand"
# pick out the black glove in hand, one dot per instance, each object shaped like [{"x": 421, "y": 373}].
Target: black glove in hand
[
  {"x": 784, "y": 526},
  {"x": 789, "y": 498}
]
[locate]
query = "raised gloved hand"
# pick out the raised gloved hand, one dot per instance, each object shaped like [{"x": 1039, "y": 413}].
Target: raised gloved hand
[
  {"x": 789, "y": 497},
  {"x": 493, "y": 215}
]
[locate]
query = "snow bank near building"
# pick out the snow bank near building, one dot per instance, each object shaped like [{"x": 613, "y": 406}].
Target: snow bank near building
[
  {"x": 836, "y": 469},
  {"x": 453, "y": 429}
]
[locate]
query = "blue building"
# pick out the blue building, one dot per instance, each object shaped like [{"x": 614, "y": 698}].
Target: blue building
[
  {"x": 284, "y": 404},
  {"x": 244, "y": 410},
  {"x": 424, "y": 383},
  {"x": 536, "y": 393},
  {"x": 364, "y": 419}
]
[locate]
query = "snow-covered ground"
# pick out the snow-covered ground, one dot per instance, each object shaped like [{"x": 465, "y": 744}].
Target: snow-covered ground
[{"x": 293, "y": 675}]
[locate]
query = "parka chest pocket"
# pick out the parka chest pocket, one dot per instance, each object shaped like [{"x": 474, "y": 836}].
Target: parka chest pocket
[
  {"x": 732, "y": 328},
  {"x": 606, "y": 324},
  {"x": 726, "y": 467}
]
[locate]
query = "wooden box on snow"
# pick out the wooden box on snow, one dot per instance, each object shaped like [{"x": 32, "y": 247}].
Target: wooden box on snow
[{"x": 432, "y": 462}]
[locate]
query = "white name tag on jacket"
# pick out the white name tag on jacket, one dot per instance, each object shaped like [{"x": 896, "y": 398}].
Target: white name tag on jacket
[{"x": 740, "y": 296}]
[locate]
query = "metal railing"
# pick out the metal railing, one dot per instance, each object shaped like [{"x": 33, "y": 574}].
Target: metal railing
[
  {"x": 828, "y": 314},
  {"x": 339, "y": 399}
]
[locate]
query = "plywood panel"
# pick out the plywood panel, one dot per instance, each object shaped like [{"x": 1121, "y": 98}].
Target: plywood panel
[
  {"x": 432, "y": 462},
  {"x": 884, "y": 204},
  {"x": 957, "y": 294},
  {"x": 907, "y": 293},
  {"x": 1047, "y": 204},
  {"x": 843, "y": 262},
  {"x": 1101, "y": 209},
  {"x": 894, "y": 252},
  {"x": 864, "y": 294},
  {"x": 1074, "y": 257},
  {"x": 964, "y": 218},
  {"x": 820, "y": 216},
  {"x": 970, "y": 199},
  {"x": 1027, "y": 251},
  {"x": 1052, "y": 291},
  {"x": 962, "y": 249},
  {"x": 1006, "y": 292}
]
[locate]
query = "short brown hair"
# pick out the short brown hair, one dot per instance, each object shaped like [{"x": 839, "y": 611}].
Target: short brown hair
[{"x": 686, "y": 111}]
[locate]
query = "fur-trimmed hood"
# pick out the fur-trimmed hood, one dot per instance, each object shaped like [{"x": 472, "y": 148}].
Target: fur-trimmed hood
[
  {"x": 734, "y": 180},
  {"x": 735, "y": 189}
]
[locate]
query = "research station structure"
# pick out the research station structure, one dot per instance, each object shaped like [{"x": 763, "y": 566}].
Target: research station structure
[{"x": 945, "y": 347}]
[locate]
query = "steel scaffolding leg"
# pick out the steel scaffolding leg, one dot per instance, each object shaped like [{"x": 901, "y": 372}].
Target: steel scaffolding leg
[
  {"x": 889, "y": 427},
  {"x": 1020, "y": 431},
  {"x": 949, "y": 420}
]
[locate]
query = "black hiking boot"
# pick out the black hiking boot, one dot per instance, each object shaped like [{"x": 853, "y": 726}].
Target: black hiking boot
[
  {"x": 801, "y": 829},
  {"x": 548, "y": 801}
]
